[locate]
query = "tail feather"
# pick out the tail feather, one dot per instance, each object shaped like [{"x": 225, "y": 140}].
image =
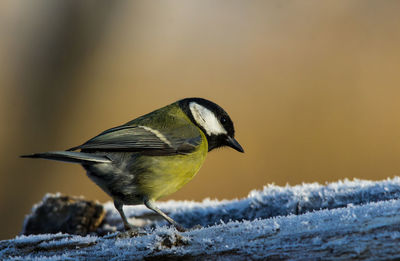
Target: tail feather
[{"x": 69, "y": 156}]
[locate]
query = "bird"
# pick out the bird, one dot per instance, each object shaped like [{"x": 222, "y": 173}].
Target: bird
[{"x": 153, "y": 155}]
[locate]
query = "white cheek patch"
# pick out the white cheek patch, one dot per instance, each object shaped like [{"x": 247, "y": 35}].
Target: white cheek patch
[{"x": 206, "y": 119}]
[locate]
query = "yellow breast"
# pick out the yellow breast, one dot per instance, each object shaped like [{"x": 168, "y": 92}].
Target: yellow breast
[{"x": 167, "y": 174}]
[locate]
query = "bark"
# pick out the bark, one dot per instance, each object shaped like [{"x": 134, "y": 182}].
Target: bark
[{"x": 361, "y": 220}]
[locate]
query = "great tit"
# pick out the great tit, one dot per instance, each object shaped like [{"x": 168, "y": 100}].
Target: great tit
[{"x": 154, "y": 155}]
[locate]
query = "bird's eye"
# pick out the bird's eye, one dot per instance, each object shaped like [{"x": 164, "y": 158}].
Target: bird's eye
[{"x": 223, "y": 120}]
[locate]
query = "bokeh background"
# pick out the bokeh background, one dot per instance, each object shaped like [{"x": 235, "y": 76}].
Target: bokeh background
[{"x": 312, "y": 86}]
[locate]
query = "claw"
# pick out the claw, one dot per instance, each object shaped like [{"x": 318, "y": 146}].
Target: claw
[
  {"x": 196, "y": 227},
  {"x": 131, "y": 233},
  {"x": 180, "y": 228}
]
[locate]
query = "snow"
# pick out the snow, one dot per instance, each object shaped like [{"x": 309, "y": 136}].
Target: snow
[
  {"x": 271, "y": 201},
  {"x": 349, "y": 219}
]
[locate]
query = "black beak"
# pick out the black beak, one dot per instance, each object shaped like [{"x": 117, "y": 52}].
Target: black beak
[{"x": 231, "y": 142}]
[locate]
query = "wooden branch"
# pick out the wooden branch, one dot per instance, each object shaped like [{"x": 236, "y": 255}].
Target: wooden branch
[{"x": 370, "y": 231}]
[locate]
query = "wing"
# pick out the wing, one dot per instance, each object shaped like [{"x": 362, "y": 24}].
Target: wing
[{"x": 181, "y": 140}]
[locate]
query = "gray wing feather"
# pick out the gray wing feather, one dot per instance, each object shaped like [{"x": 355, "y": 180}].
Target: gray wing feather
[
  {"x": 70, "y": 156},
  {"x": 143, "y": 139}
]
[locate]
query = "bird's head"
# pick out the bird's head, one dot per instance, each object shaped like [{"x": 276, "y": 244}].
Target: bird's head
[{"x": 213, "y": 121}]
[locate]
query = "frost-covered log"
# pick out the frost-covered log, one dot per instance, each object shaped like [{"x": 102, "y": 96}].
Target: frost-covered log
[
  {"x": 360, "y": 220},
  {"x": 57, "y": 213},
  {"x": 272, "y": 201}
]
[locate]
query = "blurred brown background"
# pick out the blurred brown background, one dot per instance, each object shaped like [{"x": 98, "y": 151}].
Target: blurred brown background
[{"x": 312, "y": 86}]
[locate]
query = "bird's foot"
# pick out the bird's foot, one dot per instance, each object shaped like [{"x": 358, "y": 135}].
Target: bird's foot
[
  {"x": 180, "y": 228},
  {"x": 126, "y": 234},
  {"x": 195, "y": 227},
  {"x": 131, "y": 233}
]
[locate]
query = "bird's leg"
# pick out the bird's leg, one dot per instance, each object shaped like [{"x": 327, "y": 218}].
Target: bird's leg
[
  {"x": 150, "y": 204},
  {"x": 128, "y": 227}
]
